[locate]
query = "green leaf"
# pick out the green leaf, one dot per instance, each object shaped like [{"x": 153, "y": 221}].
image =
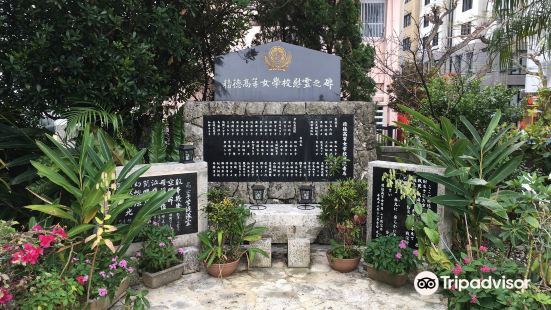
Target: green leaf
[
  {"x": 506, "y": 170},
  {"x": 471, "y": 129},
  {"x": 54, "y": 210},
  {"x": 532, "y": 221},
  {"x": 432, "y": 235},
  {"x": 449, "y": 183},
  {"x": 493, "y": 206},
  {"x": 157, "y": 147},
  {"x": 490, "y": 129},
  {"x": 450, "y": 200},
  {"x": 79, "y": 229}
]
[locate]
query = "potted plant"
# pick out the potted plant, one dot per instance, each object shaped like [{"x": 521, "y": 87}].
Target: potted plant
[
  {"x": 222, "y": 246},
  {"x": 158, "y": 257},
  {"x": 343, "y": 256},
  {"x": 343, "y": 212},
  {"x": 388, "y": 259}
]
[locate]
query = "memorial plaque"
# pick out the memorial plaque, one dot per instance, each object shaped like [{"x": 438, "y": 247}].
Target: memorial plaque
[
  {"x": 390, "y": 212},
  {"x": 276, "y": 147},
  {"x": 277, "y": 71},
  {"x": 185, "y": 197}
]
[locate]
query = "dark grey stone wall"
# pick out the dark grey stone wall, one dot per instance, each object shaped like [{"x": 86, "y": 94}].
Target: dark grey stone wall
[{"x": 286, "y": 192}]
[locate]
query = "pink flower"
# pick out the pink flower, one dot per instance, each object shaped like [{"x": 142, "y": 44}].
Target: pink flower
[
  {"x": 415, "y": 253},
  {"x": 130, "y": 270},
  {"x": 485, "y": 269},
  {"x": 5, "y": 296},
  {"x": 82, "y": 279},
  {"x": 46, "y": 241},
  {"x": 102, "y": 292},
  {"x": 74, "y": 259},
  {"x": 398, "y": 255},
  {"x": 467, "y": 260},
  {"x": 452, "y": 288},
  {"x": 36, "y": 228},
  {"x": 113, "y": 266},
  {"x": 474, "y": 299},
  {"x": 403, "y": 244},
  {"x": 122, "y": 263},
  {"x": 493, "y": 269},
  {"x": 59, "y": 231},
  {"x": 457, "y": 270},
  {"x": 162, "y": 244},
  {"x": 29, "y": 255},
  {"x": 138, "y": 254},
  {"x": 102, "y": 274},
  {"x": 114, "y": 259},
  {"x": 483, "y": 248},
  {"x": 181, "y": 251}
]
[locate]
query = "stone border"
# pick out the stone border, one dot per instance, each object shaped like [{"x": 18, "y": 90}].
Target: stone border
[
  {"x": 285, "y": 192},
  {"x": 445, "y": 216}
]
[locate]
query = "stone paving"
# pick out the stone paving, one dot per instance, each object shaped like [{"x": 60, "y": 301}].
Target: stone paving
[{"x": 280, "y": 287}]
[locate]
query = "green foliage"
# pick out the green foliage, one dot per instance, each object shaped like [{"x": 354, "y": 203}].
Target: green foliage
[
  {"x": 455, "y": 96},
  {"x": 227, "y": 233},
  {"x": 158, "y": 252},
  {"x": 50, "y": 291},
  {"x": 474, "y": 166},
  {"x": 166, "y": 137},
  {"x": 136, "y": 299},
  {"x": 528, "y": 203},
  {"x": 82, "y": 177},
  {"x": 329, "y": 26},
  {"x": 131, "y": 55},
  {"x": 537, "y": 150},
  {"x": 348, "y": 234},
  {"x": 340, "y": 201},
  {"x": 81, "y": 117},
  {"x": 336, "y": 164},
  {"x": 391, "y": 254},
  {"x": 157, "y": 146}
]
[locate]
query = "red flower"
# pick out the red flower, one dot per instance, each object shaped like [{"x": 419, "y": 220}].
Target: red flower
[
  {"x": 17, "y": 257},
  {"x": 457, "y": 270},
  {"x": 29, "y": 255},
  {"x": 483, "y": 248},
  {"x": 5, "y": 296},
  {"x": 59, "y": 231},
  {"x": 486, "y": 269},
  {"x": 474, "y": 299},
  {"x": 82, "y": 279},
  {"x": 46, "y": 241}
]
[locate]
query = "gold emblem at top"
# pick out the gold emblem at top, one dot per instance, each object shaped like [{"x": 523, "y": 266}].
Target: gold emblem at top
[{"x": 277, "y": 59}]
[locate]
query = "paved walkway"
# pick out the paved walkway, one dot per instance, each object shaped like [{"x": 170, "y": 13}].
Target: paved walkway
[{"x": 279, "y": 287}]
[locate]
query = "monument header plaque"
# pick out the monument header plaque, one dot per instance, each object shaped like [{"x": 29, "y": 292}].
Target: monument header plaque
[
  {"x": 276, "y": 147},
  {"x": 277, "y": 71},
  {"x": 185, "y": 197}
]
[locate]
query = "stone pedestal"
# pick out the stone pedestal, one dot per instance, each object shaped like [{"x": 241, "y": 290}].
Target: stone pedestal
[
  {"x": 191, "y": 260},
  {"x": 285, "y": 221},
  {"x": 298, "y": 252},
  {"x": 260, "y": 260}
]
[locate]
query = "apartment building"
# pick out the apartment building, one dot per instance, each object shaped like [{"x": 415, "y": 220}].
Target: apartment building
[{"x": 411, "y": 23}]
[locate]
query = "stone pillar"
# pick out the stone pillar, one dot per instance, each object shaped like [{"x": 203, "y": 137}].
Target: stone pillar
[
  {"x": 298, "y": 252},
  {"x": 191, "y": 260},
  {"x": 260, "y": 260}
]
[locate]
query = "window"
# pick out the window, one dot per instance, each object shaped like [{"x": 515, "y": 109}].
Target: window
[
  {"x": 450, "y": 69},
  {"x": 466, "y": 29},
  {"x": 425, "y": 21},
  {"x": 517, "y": 97},
  {"x": 435, "y": 40},
  {"x": 457, "y": 63},
  {"x": 427, "y": 2},
  {"x": 469, "y": 61},
  {"x": 406, "y": 44},
  {"x": 407, "y": 20},
  {"x": 372, "y": 16},
  {"x": 518, "y": 66},
  {"x": 467, "y": 5}
]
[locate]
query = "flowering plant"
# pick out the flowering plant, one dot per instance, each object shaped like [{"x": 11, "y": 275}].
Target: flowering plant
[
  {"x": 392, "y": 254},
  {"x": 109, "y": 272},
  {"x": 158, "y": 252},
  {"x": 21, "y": 254}
]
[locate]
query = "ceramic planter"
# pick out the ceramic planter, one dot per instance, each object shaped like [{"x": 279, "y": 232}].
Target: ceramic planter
[
  {"x": 105, "y": 302},
  {"x": 223, "y": 270},
  {"x": 343, "y": 264},
  {"x": 384, "y": 276},
  {"x": 163, "y": 277}
]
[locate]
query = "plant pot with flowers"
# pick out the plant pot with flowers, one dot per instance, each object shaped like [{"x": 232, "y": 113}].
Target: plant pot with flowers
[
  {"x": 223, "y": 245},
  {"x": 389, "y": 260},
  {"x": 158, "y": 260}
]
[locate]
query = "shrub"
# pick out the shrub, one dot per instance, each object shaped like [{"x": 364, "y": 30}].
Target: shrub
[
  {"x": 158, "y": 252},
  {"x": 50, "y": 291},
  {"x": 390, "y": 253}
]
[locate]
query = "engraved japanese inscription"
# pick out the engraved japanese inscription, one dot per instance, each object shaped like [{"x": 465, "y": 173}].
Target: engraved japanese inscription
[{"x": 276, "y": 147}]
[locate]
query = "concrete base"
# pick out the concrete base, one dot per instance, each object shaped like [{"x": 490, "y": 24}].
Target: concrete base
[
  {"x": 260, "y": 260},
  {"x": 298, "y": 252},
  {"x": 286, "y": 221}
]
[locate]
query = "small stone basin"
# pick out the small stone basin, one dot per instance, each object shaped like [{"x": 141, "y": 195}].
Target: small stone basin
[{"x": 287, "y": 221}]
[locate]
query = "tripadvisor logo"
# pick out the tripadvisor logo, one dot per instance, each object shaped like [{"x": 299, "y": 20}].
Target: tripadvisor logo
[{"x": 427, "y": 283}]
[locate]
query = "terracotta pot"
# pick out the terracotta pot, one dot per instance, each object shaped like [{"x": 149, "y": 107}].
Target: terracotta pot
[
  {"x": 384, "y": 276},
  {"x": 223, "y": 270},
  {"x": 105, "y": 302},
  {"x": 163, "y": 277},
  {"x": 343, "y": 264}
]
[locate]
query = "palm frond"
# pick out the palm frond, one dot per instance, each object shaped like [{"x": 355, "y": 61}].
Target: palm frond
[
  {"x": 80, "y": 117},
  {"x": 157, "y": 147}
]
